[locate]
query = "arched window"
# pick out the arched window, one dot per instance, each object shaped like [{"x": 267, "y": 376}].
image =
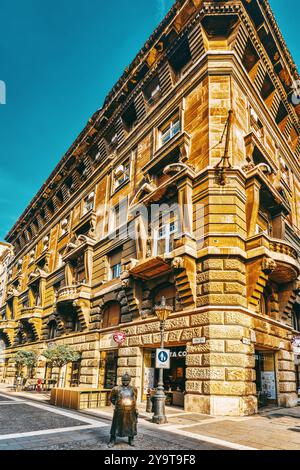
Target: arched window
[{"x": 111, "y": 314}]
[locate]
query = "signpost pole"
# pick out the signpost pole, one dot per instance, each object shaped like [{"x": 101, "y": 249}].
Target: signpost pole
[{"x": 159, "y": 417}]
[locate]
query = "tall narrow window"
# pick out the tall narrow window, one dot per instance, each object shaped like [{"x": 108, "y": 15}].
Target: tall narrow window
[
  {"x": 164, "y": 238},
  {"x": 121, "y": 174},
  {"x": 181, "y": 58},
  {"x": 88, "y": 203},
  {"x": 169, "y": 129},
  {"x": 115, "y": 264},
  {"x": 152, "y": 90},
  {"x": 129, "y": 117}
]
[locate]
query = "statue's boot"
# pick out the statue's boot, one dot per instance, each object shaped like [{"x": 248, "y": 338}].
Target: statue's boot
[
  {"x": 130, "y": 441},
  {"x": 112, "y": 443}
]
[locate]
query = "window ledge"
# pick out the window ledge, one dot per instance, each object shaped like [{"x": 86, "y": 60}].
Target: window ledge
[{"x": 180, "y": 142}]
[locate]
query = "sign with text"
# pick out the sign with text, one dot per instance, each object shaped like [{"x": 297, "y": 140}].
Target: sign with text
[
  {"x": 163, "y": 358},
  {"x": 199, "y": 340}
]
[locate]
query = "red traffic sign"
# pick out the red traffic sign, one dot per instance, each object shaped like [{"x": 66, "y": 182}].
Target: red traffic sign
[{"x": 119, "y": 337}]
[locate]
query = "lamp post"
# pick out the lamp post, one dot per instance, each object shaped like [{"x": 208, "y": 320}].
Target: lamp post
[{"x": 159, "y": 417}]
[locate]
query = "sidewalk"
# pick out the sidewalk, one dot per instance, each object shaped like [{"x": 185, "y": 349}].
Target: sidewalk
[{"x": 271, "y": 429}]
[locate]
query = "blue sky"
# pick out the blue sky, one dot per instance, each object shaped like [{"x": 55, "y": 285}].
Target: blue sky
[{"x": 59, "y": 59}]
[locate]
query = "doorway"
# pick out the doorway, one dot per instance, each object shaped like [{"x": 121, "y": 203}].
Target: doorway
[
  {"x": 174, "y": 378},
  {"x": 266, "y": 386},
  {"x": 108, "y": 369}
]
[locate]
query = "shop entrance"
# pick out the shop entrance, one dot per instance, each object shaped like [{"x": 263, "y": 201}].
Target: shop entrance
[
  {"x": 174, "y": 378},
  {"x": 265, "y": 378},
  {"x": 108, "y": 369}
]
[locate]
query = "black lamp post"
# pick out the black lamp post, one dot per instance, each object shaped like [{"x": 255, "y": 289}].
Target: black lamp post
[{"x": 159, "y": 417}]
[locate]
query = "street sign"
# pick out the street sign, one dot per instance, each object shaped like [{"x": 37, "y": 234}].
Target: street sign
[
  {"x": 163, "y": 358},
  {"x": 199, "y": 340},
  {"x": 246, "y": 341},
  {"x": 119, "y": 337}
]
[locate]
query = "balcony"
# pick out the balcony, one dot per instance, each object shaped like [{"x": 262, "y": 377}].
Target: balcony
[
  {"x": 175, "y": 150},
  {"x": 285, "y": 256},
  {"x": 86, "y": 225},
  {"x": 77, "y": 299},
  {"x": 7, "y": 331},
  {"x": 31, "y": 312},
  {"x": 150, "y": 268},
  {"x": 31, "y": 318},
  {"x": 72, "y": 293}
]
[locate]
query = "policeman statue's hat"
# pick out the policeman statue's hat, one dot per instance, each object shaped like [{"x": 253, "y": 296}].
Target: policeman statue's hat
[{"x": 126, "y": 377}]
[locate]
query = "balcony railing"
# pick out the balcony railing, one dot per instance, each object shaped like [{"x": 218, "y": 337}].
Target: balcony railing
[
  {"x": 71, "y": 293},
  {"x": 263, "y": 240},
  {"x": 31, "y": 312},
  {"x": 282, "y": 252},
  {"x": 7, "y": 325}
]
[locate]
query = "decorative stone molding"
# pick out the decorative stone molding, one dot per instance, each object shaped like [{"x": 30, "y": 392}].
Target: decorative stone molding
[
  {"x": 177, "y": 263},
  {"x": 268, "y": 265}
]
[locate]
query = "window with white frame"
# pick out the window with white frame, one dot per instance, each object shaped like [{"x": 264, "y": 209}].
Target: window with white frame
[
  {"x": 88, "y": 203},
  {"x": 164, "y": 237},
  {"x": 169, "y": 130},
  {"x": 118, "y": 216},
  {"x": 64, "y": 226},
  {"x": 121, "y": 174}
]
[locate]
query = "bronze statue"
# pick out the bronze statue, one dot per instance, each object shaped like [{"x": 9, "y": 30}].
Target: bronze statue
[{"x": 124, "y": 422}]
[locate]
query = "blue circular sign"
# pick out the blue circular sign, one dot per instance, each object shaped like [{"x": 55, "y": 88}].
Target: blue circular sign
[{"x": 163, "y": 356}]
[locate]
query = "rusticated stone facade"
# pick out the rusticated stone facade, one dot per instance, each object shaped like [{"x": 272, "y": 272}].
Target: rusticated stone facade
[{"x": 205, "y": 118}]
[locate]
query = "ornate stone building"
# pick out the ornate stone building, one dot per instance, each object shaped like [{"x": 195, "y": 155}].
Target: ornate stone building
[
  {"x": 207, "y": 118},
  {"x": 5, "y": 258}
]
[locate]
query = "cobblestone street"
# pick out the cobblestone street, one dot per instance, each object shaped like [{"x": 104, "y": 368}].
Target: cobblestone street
[
  {"x": 28, "y": 422},
  {"x": 28, "y": 425}
]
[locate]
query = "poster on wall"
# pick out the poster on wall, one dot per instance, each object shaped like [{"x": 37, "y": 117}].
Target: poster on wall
[
  {"x": 268, "y": 384},
  {"x": 148, "y": 378}
]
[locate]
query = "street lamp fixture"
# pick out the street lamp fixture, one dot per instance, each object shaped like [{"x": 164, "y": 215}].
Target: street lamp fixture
[{"x": 159, "y": 417}]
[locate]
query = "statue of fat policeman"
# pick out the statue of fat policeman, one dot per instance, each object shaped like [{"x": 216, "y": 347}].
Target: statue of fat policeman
[{"x": 124, "y": 422}]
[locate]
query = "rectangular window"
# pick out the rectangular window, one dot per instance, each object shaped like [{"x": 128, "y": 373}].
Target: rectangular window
[
  {"x": 116, "y": 271},
  {"x": 181, "y": 58},
  {"x": 129, "y": 117},
  {"x": 88, "y": 203},
  {"x": 115, "y": 265},
  {"x": 169, "y": 130},
  {"x": 118, "y": 216},
  {"x": 121, "y": 174},
  {"x": 111, "y": 139},
  {"x": 164, "y": 238},
  {"x": 152, "y": 90}
]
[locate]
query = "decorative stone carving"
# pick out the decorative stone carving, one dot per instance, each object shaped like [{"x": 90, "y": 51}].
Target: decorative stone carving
[
  {"x": 178, "y": 263},
  {"x": 248, "y": 167},
  {"x": 268, "y": 265}
]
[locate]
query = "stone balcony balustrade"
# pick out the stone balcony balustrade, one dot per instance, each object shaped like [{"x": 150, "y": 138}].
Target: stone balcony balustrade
[{"x": 286, "y": 266}]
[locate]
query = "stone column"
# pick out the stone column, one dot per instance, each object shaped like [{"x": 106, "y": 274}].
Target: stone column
[
  {"x": 185, "y": 201},
  {"x": 220, "y": 373},
  {"x": 287, "y": 393},
  {"x": 130, "y": 361},
  {"x": 90, "y": 360},
  {"x": 252, "y": 205}
]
